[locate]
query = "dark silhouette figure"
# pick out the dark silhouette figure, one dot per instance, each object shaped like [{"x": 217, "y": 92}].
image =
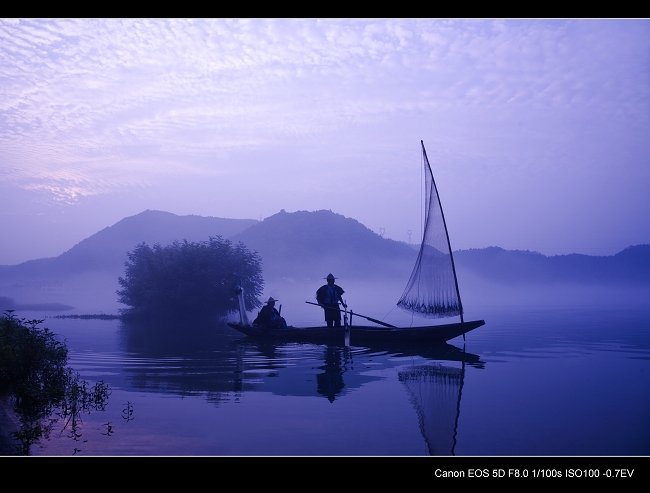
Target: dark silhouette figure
[
  {"x": 269, "y": 317},
  {"x": 330, "y": 382},
  {"x": 329, "y": 297}
]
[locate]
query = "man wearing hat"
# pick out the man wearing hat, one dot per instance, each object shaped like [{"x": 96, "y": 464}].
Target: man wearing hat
[
  {"x": 329, "y": 297},
  {"x": 269, "y": 317}
]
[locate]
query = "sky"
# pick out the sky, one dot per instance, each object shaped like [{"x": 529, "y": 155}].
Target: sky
[{"x": 537, "y": 130}]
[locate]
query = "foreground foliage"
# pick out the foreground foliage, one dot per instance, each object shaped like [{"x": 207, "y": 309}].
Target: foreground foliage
[
  {"x": 34, "y": 372},
  {"x": 190, "y": 278}
]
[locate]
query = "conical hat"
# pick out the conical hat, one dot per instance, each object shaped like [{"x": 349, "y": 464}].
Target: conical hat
[
  {"x": 271, "y": 300},
  {"x": 330, "y": 276}
]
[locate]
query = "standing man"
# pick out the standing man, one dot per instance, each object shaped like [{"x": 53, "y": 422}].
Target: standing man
[{"x": 329, "y": 297}]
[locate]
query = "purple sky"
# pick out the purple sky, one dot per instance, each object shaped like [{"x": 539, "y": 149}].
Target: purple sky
[{"x": 537, "y": 130}]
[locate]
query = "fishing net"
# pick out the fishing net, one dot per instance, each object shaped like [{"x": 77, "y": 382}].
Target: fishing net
[
  {"x": 434, "y": 392},
  {"x": 432, "y": 290}
]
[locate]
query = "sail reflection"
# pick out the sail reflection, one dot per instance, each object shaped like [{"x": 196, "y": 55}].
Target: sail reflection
[{"x": 435, "y": 391}]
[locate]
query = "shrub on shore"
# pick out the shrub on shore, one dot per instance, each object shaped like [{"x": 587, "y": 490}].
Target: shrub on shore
[{"x": 34, "y": 372}]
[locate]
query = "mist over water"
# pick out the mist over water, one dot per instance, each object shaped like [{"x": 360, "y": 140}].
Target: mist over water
[
  {"x": 556, "y": 370},
  {"x": 378, "y": 299},
  {"x": 94, "y": 292}
]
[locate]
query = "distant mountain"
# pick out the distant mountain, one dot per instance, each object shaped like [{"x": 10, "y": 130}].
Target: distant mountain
[
  {"x": 106, "y": 250},
  {"x": 514, "y": 266},
  {"x": 312, "y": 244},
  {"x": 300, "y": 245}
]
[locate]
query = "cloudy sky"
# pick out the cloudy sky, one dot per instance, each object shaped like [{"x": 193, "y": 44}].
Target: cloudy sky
[{"x": 537, "y": 130}]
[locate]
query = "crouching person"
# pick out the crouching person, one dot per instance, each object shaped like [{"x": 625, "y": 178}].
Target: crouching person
[{"x": 269, "y": 317}]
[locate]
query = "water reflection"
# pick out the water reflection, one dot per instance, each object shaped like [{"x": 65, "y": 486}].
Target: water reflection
[
  {"x": 330, "y": 381},
  {"x": 271, "y": 398},
  {"x": 183, "y": 358},
  {"x": 435, "y": 391},
  {"x": 221, "y": 366}
]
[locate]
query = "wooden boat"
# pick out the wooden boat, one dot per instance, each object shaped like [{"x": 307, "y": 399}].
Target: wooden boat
[
  {"x": 361, "y": 333},
  {"x": 432, "y": 291}
]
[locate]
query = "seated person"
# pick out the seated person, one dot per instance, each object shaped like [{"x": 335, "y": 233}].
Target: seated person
[{"x": 269, "y": 317}]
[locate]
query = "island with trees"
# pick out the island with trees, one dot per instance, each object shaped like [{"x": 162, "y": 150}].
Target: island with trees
[{"x": 195, "y": 279}]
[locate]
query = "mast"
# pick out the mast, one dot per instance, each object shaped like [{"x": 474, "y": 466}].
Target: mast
[{"x": 453, "y": 267}]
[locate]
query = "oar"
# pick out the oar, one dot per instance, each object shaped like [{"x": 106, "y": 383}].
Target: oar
[{"x": 362, "y": 316}]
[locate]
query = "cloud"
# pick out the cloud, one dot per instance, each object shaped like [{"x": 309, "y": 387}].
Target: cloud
[{"x": 93, "y": 105}]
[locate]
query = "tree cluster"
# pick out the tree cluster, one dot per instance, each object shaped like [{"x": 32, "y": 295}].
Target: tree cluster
[{"x": 190, "y": 279}]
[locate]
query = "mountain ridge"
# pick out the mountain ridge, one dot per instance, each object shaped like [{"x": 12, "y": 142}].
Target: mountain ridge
[
  {"x": 314, "y": 242},
  {"x": 106, "y": 249},
  {"x": 299, "y": 246},
  {"x": 631, "y": 264}
]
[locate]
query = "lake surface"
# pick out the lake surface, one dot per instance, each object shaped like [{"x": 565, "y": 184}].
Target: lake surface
[{"x": 534, "y": 380}]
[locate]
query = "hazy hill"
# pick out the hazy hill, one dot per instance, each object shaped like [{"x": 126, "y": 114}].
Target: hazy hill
[
  {"x": 106, "y": 249},
  {"x": 312, "y": 244},
  {"x": 298, "y": 246},
  {"x": 86, "y": 275},
  {"x": 515, "y": 266}
]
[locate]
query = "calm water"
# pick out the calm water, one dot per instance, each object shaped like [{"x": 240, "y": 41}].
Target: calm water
[{"x": 532, "y": 381}]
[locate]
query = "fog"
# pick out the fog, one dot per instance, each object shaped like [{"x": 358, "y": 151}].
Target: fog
[
  {"x": 88, "y": 293},
  {"x": 378, "y": 299},
  {"x": 95, "y": 293}
]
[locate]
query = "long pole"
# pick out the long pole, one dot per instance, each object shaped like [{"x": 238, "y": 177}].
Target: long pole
[{"x": 356, "y": 314}]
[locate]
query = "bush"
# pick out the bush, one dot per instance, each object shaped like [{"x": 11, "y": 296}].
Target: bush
[
  {"x": 34, "y": 372},
  {"x": 190, "y": 279},
  {"x": 32, "y": 364}
]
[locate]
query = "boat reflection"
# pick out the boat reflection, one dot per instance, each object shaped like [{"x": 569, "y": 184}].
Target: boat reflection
[
  {"x": 437, "y": 351},
  {"x": 223, "y": 368},
  {"x": 434, "y": 386}
]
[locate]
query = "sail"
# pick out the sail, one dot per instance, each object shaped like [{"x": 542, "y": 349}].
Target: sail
[{"x": 432, "y": 290}]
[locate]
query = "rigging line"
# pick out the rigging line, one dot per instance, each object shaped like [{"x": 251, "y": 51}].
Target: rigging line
[
  {"x": 451, "y": 255},
  {"x": 424, "y": 215},
  {"x": 421, "y": 197},
  {"x": 391, "y": 311},
  {"x": 460, "y": 393}
]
